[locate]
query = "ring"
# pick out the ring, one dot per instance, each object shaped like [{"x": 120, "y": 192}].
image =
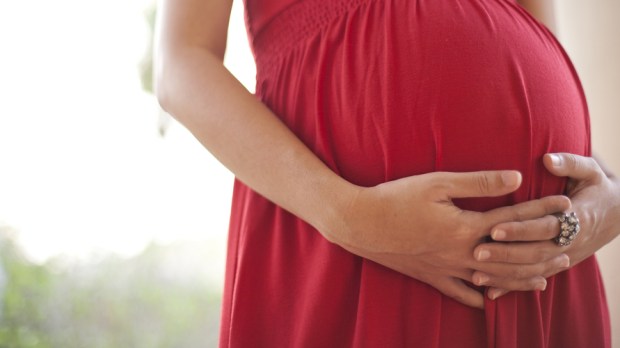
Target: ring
[{"x": 569, "y": 228}]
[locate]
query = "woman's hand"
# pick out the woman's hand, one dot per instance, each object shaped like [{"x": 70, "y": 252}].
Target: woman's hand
[
  {"x": 595, "y": 198},
  {"x": 411, "y": 225}
]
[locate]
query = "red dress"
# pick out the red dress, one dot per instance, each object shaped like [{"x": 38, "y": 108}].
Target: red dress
[{"x": 380, "y": 90}]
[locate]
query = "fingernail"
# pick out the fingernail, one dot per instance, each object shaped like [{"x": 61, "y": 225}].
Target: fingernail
[
  {"x": 510, "y": 178},
  {"x": 541, "y": 286},
  {"x": 498, "y": 234},
  {"x": 494, "y": 293},
  {"x": 556, "y": 160},
  {"x": 565, "y": 261},
  {"x": 482, "y": 279},
  {"x": 483, "y": 255}
]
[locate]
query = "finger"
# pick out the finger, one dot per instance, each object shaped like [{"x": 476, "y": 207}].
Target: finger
[
  {"x": 528, "y": 210},
  {"x": 544, "y": 228},
  {"x": 573, "y": 166},
  {"x": 525, "y": 284},
  {"x": 480, "y": 184},
  {"x": 504, "y": 275},
  {"x": 456, "y": 289},
  {"x": 495, "y": 293},
  {"x": 517, "y": 253},
  {"x": 484, "y": 222}
]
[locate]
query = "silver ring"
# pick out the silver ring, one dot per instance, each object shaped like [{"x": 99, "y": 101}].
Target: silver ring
[{"x": 569, "y": 228}]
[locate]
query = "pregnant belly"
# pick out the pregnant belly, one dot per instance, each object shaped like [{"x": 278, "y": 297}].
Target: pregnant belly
[{"x": 397, "y": 88}]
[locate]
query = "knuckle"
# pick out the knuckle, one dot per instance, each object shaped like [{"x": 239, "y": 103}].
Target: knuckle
[
  {"x": 579, "y": 166},
  {"x": 518, "y": 212},
  {"x": 512, "y": 231},
  {"x": 598, "y": 173},
  {"x": 541, "y": 256},
  {"x": 592, "y": 163},
  {"x": 464, "y": 232},
  {"x": 520, "y": 272},
  {"x": 439, "y": 181},
  {"x": 504, "y": 255},
  {"x": 529, "y": 231},
  {"x": 571, "y": 161},
  {"x": 529, "y": 256},
  {"x": 483, "y": 182},
  {"x": 564, "y": 203},
  {"x": 552, "y": 227},
  {"x": 587, "y": 166},
  {"x": 554, "y": 204}
]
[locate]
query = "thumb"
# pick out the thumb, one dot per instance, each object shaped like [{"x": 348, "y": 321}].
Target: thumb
[
  {"x": 573, "y": 166},
  {"x": 481, "y": 184}
]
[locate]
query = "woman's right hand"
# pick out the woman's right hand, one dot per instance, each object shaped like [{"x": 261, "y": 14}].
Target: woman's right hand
[{"x": 411, "y": 225}]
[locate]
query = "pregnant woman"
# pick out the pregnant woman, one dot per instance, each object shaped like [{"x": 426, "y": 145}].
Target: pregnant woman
[{"x": 392, "y": 176}]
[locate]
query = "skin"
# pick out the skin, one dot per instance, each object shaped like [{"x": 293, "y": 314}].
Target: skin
[
  {"x": 372, "y": 222},
  {"x": 595, "y": 194}
]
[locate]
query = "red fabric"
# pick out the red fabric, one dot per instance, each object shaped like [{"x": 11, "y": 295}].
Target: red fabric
[{"x": 380, "y": 90}]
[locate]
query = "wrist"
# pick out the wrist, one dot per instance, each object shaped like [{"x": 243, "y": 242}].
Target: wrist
[{"x": 336, "y": 210}]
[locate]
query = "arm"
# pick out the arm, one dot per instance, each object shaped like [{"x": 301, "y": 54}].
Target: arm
[
  {"x": 409, "y": 225},
  {"x": 194, "y": 87},
  {"x": 543, "y": 10}
]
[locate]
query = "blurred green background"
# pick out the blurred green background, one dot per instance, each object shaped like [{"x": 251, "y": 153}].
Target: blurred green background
[{"x": 158, "y": 298}]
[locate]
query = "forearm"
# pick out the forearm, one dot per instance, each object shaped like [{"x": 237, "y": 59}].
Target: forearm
[{"x": 247, "y": 137}]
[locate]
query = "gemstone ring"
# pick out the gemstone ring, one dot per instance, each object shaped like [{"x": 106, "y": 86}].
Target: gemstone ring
[{"x": 569, "y": 229}]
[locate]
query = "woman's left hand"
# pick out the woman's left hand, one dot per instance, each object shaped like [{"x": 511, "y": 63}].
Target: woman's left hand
[{"x": 595, "y": 197}]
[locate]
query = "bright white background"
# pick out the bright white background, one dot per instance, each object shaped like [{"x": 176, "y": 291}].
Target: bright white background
[{"x": 83, "y": 169}]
